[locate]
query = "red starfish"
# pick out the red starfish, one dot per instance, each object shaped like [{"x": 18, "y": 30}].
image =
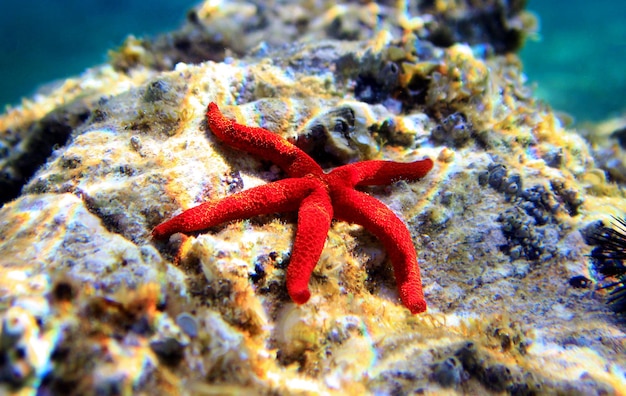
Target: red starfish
[{"x": 318, "y": 197}]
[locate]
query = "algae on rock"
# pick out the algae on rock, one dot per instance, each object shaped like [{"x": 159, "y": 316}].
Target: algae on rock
[{"x": 496, "y": 223}]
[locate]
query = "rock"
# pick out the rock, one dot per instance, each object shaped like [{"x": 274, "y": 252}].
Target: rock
[{"x": 496, "y": 223}]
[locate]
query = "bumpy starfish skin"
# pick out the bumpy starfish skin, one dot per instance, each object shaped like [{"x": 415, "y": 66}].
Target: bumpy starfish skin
[{"x": 318, "y": 197}]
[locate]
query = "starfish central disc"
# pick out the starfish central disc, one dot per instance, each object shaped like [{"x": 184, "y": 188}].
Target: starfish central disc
[{"x": 318, "y": 198}]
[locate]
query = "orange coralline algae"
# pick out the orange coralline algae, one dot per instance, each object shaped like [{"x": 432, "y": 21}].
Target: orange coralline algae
[{"x": 319, "y": 198}]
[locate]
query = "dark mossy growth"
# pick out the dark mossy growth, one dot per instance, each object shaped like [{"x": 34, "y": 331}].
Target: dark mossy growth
[
  {"x": 523, "y": 389},
  {"x": 25, "y": 151},
  {"x": 493, "y": 376},
  {"x": 513, "y": 186},
  {"x": 608, "y": 259},
  {"x": 448, "y": 373},
  {"x": 494, "y": 176},
  {"x": 498, "y": 178},
  {"x": 525, "y": 240},
  {"x": 510, "y": 336},
  {"x": 539, "y": 204},
  {"x": 554, "y": 158},
  {"x": 497, "y": 377},
  {"x": 376, "y": 87},
  {"x": 419, "y": 60},
  {"x": 570, "y": 198},
  {"x": 471, "y": 359},
  {"x": 203, "y": 37},
  {"x": 454, "y": 130},
  {"x": 376, "y": 79},
  {"x": 164, "y": 52},
  {"x": 437, "y": 82},
  {"x": 500, "y": 25}
]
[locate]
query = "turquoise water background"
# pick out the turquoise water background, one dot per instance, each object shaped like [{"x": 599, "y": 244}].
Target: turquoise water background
[
  {"x": 42, "y": 41},
  {"x": 578, "y": 64}
]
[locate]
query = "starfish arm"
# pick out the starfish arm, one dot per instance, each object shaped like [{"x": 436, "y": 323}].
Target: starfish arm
[
  {"x": 262, "y": 143},
  {"x": 280, "y": 196},
  {"x": 314, "y": 217},
  {"x": 376, "y": 172},
  {"x": 357, "y": 207}
]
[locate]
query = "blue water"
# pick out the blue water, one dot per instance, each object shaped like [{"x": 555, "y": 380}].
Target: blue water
[
  {"x": 579, "y": 65},
  {"x": 41, "y": 40}
]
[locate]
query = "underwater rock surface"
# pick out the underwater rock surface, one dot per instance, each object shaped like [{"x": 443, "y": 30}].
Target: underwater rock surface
[{"x": 90, "y": 304}]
